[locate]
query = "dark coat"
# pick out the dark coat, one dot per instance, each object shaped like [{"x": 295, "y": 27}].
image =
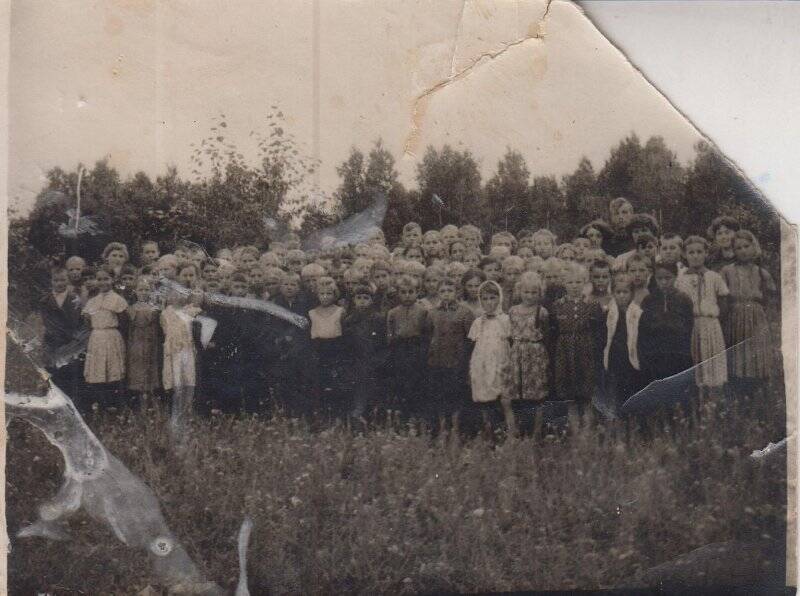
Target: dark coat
[{"x": 665, "y": 332}]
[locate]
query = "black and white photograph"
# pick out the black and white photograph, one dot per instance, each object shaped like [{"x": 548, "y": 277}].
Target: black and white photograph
[{"x": 327, "y": 297}]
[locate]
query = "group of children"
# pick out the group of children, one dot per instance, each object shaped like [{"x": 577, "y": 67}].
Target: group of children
[{"x": 439, "y": 329}]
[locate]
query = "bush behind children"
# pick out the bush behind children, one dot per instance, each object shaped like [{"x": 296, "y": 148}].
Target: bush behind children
[{"x": 441, "y": 328}]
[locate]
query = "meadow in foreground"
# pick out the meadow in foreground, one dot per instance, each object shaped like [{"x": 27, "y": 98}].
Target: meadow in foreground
[{"x": 389, "y": 511}]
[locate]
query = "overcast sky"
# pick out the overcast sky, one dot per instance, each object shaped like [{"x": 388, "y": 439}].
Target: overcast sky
[{"x": 139, "y": 81}]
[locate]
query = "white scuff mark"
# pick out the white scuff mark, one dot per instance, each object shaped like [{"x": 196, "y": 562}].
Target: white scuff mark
[
  {"x": 769, "y": 449},
  {"x": 101, "y": 484},
  {"x": 418, "y": 109}
]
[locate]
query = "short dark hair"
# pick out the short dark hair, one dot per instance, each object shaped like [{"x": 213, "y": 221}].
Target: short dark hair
[
  {"x": 643, "y": 220},
  {"x": 671, "y": 267}
]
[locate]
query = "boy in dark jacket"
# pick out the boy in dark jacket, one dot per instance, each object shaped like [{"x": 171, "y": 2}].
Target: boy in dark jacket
[{"x": 364, "y": 330}]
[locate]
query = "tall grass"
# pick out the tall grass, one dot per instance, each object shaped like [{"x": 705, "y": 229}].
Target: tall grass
[{"x": 389, "y": 511}]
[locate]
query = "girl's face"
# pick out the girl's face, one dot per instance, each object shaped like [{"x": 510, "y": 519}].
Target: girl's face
[
  {"x": 530, "y": 295},
  {"x": 198, "y": 258},
  {"x": 695, "y": 255},
  {"x": 639, "y": 274},
  {"x": 238, "y": 289},
  {"x": 169, "y": 271},
  {"x": 412, "y": 237},
  {"x": 210, "y": 271},
  {"x": 273, "y": 285},
  {"x": 326, "y": 284},
  {"x": 622, "y": 295},
  {"x": 415, "y": 254},
  {"x": 471, "y": 288},
  {"x": 257, "y": 277},
  {"x": 473, "y": 240},
  {"x": 648, "y": 250},
  {"x": 504, "y": 242},
  {"x": 103, "y": 281},
  {"x": 127, "y": 280},
  {"x": 472, "y": 260},
  {"x": 150, "y": 253},
  {"x": 362, "y": 301},
  {"x": 213, "y": 285},
  {"x": 290, "y": 288},
  {"x": 116, "y": 258},
  {"x": 525, "y": 252},
  {"x": 431, "y": 284},
  {"x": 408, "y": 295},
  {"x": 418, "y": 278},
  {"x": 142, "y": 291},
  {"x": 551, "y": 277},
  {"x": 75, "y": 272},
  {"x": 182, "y": 255},
  {"x": 601, "y": 277},
  {"x": 381, "y": 279},
  {"x": 492, "y": 271},
  {"x": 187, "y": 277},
  {"x": 447, "y": 294},
  {"x": 670, "y": 251},
  {"x": 745, "y": 250},
  {"x": 489, "y": 302},
  {"x": 569, "y": 255},
  {"x": 623, "y": 215},
  {"x": 326, "y": 296},
  {"x": 59, "y": 282},
  {"x": 581, "y": 246},
  {"x": 544, "y": 247},
  {"x": 247, "y": 261},
  {"x": 664, "y": 279},
  {"x": 723, "y": 237},
  {"x": 457, "y": 250},
  {"x": 574, "y": 284},
  {"x": 449, "y": 236},
  {"x": 511, "y": 274},
  {"x": 595, "y": 237},
  {"x": 432, "y": 246},
  {"x": 361, "y": 251},
  {"x": 525, "y": 242}
]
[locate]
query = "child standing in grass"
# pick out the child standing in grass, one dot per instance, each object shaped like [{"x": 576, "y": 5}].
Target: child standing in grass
[
  {"x": 527, "y": 381},
  {"x": 105, "y": 353},
  {"x": 622, "y": 376},
  {"x": 179, "y": 372},
  {"x": 490, "y": 358},
  {"x": 326, "y": 341},
  {"x": 364, "y": 330},
  {"x": 708, "y": 292},
  {"x": 746, "y": 328},
  {"x": 143, "y": 339},
  {"x": 448, "y": 324},
  {"x": 665, "y": 329},
  {"x": 405, "y": 334},
  {"x": 575, "y": 324}
]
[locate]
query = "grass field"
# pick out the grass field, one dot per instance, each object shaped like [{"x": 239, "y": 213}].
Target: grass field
[{"x": 387, "y": 511}]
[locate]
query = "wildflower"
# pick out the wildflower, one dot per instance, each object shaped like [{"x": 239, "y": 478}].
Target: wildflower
[
  {"x": 295, "y": 501},
  {"x": 478, "y": 512}
]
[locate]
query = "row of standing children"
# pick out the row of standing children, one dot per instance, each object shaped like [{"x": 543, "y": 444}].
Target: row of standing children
[{"x": 591, "y": 321}]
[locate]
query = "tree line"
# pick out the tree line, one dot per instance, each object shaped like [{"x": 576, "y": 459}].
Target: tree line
[{"x": 228, "y": 200}]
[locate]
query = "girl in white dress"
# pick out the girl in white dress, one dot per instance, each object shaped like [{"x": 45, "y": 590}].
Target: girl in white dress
[
  {"x": 490, "y": 357},
  {"x": 709, "y": 293}
]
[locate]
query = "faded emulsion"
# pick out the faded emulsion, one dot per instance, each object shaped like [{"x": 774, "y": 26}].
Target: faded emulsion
[{"x": 513, "y": 325}]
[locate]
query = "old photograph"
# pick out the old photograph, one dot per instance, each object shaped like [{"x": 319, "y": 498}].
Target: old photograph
[{"x": 381, "y": 297}]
